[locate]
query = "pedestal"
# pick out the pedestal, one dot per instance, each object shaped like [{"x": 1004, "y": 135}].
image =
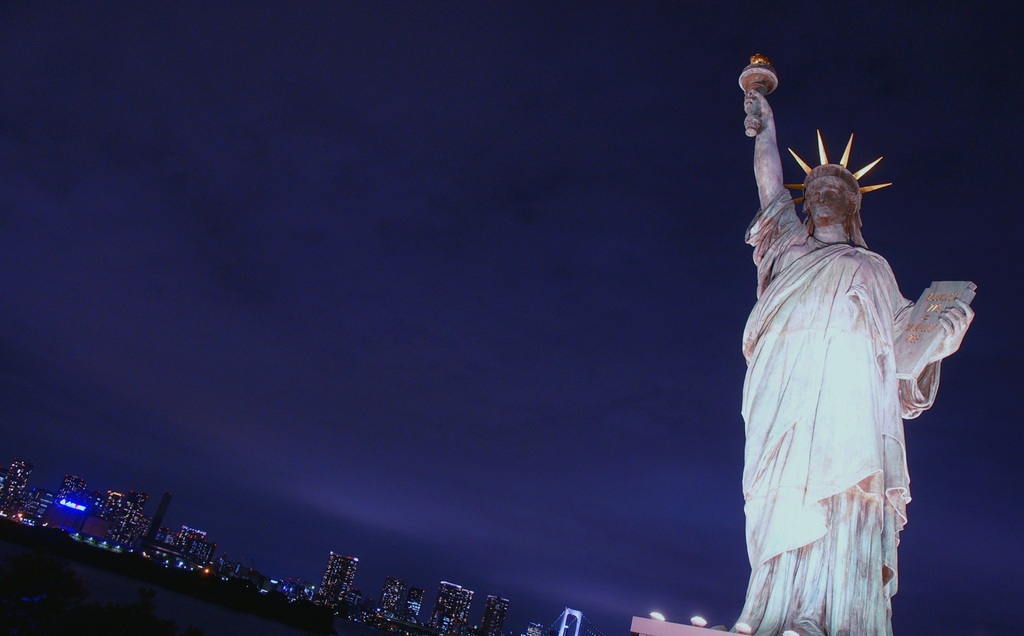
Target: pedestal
[{"x": 651, "y": 627}]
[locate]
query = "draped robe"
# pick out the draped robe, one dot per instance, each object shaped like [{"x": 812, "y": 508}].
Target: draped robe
[{"x": 825, "y": 478}]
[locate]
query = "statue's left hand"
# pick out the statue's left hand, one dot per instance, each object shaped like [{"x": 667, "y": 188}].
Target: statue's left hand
[{"x": 955, "y": 320}]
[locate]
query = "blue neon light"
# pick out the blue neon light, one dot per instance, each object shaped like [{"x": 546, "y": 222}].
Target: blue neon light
[{"x": 71, "y": 504}]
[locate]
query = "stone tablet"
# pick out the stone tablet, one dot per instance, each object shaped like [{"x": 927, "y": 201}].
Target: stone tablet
[{"x": 919, "y": 340}]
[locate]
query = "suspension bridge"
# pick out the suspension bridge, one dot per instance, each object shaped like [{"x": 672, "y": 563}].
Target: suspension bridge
[{"x": 570, "y": 623}]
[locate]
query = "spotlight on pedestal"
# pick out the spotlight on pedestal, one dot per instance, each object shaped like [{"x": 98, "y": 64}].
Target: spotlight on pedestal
[
  {"x": 698, "y": 621},
  {"x": 743, "y": 628},
  {"x": 658, "y": 616}
]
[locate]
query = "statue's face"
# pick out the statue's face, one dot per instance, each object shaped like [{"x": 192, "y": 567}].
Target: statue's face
[{"x": 827, "y": 202}]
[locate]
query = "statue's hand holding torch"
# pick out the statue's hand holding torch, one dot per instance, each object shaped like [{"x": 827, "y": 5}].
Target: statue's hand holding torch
[{"x": 756, "y": 80}]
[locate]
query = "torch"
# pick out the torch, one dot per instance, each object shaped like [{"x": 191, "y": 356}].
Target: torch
[{"x": 761, "y": 77}]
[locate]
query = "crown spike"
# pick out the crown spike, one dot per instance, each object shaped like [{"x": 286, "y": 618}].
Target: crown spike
[
  {"x": 821, "y": 150},
  {"x": 863, "y": 171},
  {"x": 803, "y": 164},
  {"x": 793, "y": 186},
  {"x": 798, "y": 200},
  {"x": 872, "y": 188},
  {"x": 846, "y": 153}
]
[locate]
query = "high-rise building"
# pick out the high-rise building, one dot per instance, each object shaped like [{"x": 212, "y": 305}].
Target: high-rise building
[
  {"x": 495, "y": 611},
  {"x": 71, "y": 486},
  {"x": 338, "y": 577},
  {"x": 96, "y": 499},
  {"x": 451, "y": 610},
  {"x": 391, "y": 596},
  {"x": 193, "y": 544},
  {"x": 35, "y": 503},
  {"x": 158, "y": 518},
  {"x": 124, "y": 513},
  {"x": 15, "y": 483},
  {"x": 413, "y": 603}
]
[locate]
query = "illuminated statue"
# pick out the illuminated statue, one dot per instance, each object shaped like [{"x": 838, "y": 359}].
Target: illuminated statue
[{"x": 825, "y": 478}]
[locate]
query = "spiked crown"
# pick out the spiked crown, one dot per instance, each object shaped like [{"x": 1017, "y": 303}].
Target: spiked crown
[{"x": 839, "y": 170}]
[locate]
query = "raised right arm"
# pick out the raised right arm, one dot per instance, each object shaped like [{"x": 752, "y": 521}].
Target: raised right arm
[{"x": 767, "y": 164}]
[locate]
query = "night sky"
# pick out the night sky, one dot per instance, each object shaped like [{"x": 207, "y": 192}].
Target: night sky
[{"x": 458, "y": 288}]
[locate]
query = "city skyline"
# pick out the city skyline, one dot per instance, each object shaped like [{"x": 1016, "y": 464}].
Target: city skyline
[
  {"x": 459, "y": 288},
  {"x": 338, "y": 577}
]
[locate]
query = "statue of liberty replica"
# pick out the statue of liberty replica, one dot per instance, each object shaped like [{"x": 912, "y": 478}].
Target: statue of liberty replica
[{"x": 836, "y": 358}]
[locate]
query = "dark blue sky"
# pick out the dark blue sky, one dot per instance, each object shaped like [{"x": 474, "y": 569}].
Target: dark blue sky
[{"x": 458, "y": 288}]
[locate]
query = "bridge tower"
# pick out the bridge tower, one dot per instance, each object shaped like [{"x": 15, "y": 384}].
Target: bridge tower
[{"x": 564, "y": 622}]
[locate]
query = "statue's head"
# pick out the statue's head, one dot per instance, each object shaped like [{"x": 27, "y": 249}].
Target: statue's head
[
  {"x": 832, "y": 194},
  {"x": 832, "y": 197}
]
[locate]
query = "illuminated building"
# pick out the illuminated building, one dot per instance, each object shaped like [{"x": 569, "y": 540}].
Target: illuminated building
[
  {"x": 164, "y": 535},
  {"x": 391, "y": 596},
  {"x": 235, "y": 570},
  {"x": 69, "y": 514},
  {"x": 96, "y": 499},
  {"x": 294, "y": 589},
  {"x": 193, "y": 544},
  {"x": 71, "y": 486},
  {"x": 535, "y": 629},
  {"x": 124, "y": 513},
  {"x": 353, "y": 598},
  {"x": 112, "y": 503},
  {"x": 36, "y": 502},
  {"x": 413, "y": 603},
  {"x": 338, "y": 577},
  {"x": 451, "y": 610},
  {"x": 495, "y": 611},
  {"x": 15, "y": 482}
]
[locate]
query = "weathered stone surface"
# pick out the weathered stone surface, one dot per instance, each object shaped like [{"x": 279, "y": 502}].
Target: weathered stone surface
[{"x": 825, "y": 481}]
